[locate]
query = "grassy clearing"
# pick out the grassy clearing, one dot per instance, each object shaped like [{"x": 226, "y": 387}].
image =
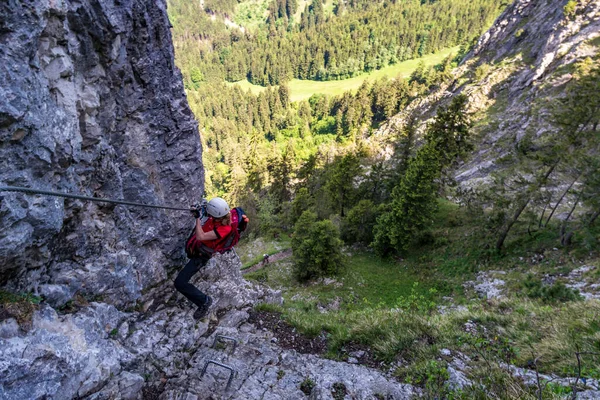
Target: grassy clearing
[
  {"x": 328, "y": 7},
  {"x": 303, "y": 89},
  {"x": 301, "y": 7},
  {"x": 368, "y": 281},
  {"x": 374, "y": 304},
  {"x": 252, "y": 251}
]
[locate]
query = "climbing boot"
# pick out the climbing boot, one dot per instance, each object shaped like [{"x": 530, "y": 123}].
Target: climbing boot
[{"x": 203, "y": 309}]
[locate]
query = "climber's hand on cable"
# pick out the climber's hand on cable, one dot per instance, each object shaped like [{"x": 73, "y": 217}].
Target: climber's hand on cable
[{"x": 195, "y": 212}]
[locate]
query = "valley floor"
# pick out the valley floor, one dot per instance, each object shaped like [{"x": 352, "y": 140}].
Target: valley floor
[{"x": 303, "y": 89}]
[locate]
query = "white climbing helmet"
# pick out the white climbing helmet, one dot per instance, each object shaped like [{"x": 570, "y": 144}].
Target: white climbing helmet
[{"x": 217, "y": 207}]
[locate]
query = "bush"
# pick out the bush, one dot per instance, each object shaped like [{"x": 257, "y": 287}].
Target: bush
[
  {"x": 431, "y": 375},
  {"x": 357, "y": 226},
  {"x": 307, "y": 386},
  {"x": 557, "y": 293},
  {"x": 417, "y": 302},
  {"x": 570, "y": 9},
  {"x": 316, "y": 246},
  {"x": 481, "y": 72}
]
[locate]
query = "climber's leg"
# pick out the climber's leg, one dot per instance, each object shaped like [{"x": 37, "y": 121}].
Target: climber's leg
[{"x": 183, "y": 285}]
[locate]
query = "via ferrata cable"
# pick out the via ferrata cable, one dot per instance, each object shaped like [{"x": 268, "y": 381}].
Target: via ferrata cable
[{"x": 88, "y": 198}]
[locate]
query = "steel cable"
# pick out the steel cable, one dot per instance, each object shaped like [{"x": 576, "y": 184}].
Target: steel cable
[{"x": 79, "y": 197}]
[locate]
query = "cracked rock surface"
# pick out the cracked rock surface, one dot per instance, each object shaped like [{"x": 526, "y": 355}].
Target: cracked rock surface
[
  {"x": 92, "y": 104},
  {"x": 99, "y": 352}
]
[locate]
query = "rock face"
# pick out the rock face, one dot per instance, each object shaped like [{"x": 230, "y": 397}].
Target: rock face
[
  {"x": 91, "y": 103},
  {"x": 510, "y": 77},
  {"x": 100, "y": 352}
]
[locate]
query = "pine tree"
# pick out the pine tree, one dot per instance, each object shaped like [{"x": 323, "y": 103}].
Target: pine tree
[
  {"x": 340, "y": 182},
  {"x": 414, "y": 200},
  {"x": 316, "y": 247},
  {"x": 577, "y": 115},
  {"x": 284, "y": 94}
]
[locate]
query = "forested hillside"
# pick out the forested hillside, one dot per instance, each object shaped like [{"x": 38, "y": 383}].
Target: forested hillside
[
  {"x": 433, "y": 234},
  {"x": 359, "y": 36},
  {"x": 476, "y": 179},
  {"x": 261, "y": 149}
]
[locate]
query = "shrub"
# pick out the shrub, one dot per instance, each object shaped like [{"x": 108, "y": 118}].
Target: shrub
[
  {"x": 558, "y": 292},
  {"x": 358, "y": 225},
  {"x": 339, "y": 391},
  {"x": 307, "y": 386},
  {"x": 431, "y": 375},
  {"x": 417, "y": 302},
  {"x": 196, "y": 76},
  {"x": 316, "y": 246},
  {"x": 481, "y": 72},
  {"x": 570, "y": 9}
]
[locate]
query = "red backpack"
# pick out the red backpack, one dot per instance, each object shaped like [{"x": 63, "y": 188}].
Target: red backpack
[{"x": 195, "y": 248}]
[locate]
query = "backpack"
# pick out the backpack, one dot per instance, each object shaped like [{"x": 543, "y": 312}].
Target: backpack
[{"x": 196, "y": 249}]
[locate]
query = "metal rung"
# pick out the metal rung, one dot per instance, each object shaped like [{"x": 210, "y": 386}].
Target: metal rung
[
  {"x": 231, "y": 375},
  {"x": 235, "y": 342}
]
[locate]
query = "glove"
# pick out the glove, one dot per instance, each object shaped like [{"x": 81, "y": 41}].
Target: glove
[{"x": 195, "y": 210}]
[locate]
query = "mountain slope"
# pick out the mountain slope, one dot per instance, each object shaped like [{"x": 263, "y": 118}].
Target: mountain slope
[{"x": 511, "y": 76}]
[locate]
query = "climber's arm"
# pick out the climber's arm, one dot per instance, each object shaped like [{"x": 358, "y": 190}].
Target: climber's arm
[{"x": 201, "y": 235}]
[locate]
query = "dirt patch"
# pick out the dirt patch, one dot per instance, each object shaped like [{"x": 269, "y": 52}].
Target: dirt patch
[
  {"x": 363, "y": 354},
  {"x": 286, "y": 335},
  {"x": 272, "y": 258},
  {"x": 22, "y": 311}
]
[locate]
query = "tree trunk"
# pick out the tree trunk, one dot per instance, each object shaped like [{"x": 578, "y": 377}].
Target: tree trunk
[
  {"x": 560, "y": 200},
  {"x": 573, "y": 208},
  {"x": 543, "y": 212},
  {"x": 510, "y": 224},
  {"x": 594, "y": 217},
  {"x": 522, "y": 207}
]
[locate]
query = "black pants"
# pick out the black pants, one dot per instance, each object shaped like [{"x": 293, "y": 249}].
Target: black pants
[{"x": 183, "y": 285}]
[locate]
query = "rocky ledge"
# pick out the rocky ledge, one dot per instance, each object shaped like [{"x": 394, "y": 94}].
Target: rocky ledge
[{"x": 99, "y": 352}]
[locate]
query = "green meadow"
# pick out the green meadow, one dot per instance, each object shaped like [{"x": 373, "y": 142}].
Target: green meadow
[{"x": 303, "y": 89}]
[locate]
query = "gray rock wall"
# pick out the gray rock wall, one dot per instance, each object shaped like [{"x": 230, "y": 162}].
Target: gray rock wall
[
  {"x": 91, "y": 103},
  {"x": 527, "y": 54},
  {"x": 100, "y": 352}
]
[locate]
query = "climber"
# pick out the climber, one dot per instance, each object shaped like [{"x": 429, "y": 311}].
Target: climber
[{"x": 211, "y": 234}]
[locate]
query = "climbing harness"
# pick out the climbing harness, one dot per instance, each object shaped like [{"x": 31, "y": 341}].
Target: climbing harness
[{"x": 88, "y": 198}]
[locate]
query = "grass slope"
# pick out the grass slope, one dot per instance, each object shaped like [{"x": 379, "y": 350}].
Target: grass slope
[
  {"x": 303, "y": 89},
  {"x": 374, "y": 304}
]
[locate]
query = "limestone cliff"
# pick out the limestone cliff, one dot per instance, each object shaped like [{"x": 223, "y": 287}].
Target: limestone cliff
[
  {"x": 92, "y": 103},
  {"x": 521, "y": 63}
]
